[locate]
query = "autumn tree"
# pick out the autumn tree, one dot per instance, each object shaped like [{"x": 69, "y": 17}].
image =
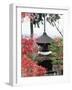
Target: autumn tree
[{"x": 36, "y": 18}]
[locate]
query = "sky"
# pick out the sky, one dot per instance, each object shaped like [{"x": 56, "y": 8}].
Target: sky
[{"x": 50, "y": 30}]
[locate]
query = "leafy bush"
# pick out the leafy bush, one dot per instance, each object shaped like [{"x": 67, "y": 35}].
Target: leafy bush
[
  {"x": 57, "y": 51},
  {"x": 28, "y": 65}
]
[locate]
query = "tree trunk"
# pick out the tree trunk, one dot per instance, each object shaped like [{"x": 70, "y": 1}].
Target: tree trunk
[
  {"x": 44, "y": 24},
  {"x": 31, "y": 28}
]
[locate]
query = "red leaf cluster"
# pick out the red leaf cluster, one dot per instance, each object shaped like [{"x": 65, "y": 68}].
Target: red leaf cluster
[
  {"x": 29, "y": 46},
  {"x": 28, "y": 66}
]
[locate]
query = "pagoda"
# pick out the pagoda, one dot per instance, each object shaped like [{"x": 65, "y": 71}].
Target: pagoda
[{"x": 43, "y": 42}]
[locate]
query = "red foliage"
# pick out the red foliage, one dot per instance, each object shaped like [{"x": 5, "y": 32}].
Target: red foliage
[
  {"x": 30, "y": 68},
  {"x": 29, "y": 46},
  {"x": 30, "y": 15}
]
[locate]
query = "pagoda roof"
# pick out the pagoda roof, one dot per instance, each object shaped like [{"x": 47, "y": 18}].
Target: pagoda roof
[{"x": 44, "y": 39}]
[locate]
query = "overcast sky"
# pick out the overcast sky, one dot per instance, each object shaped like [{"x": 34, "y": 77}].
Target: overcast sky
[{"x": 50, "y": 30}]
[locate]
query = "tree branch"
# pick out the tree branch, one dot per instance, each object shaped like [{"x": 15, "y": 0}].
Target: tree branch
[{"x": 58, "y": 29}]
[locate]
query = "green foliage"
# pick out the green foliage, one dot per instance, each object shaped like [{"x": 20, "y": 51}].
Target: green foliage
[
  {"x": 53, "y": 18},
  {"x": 39, "y": 17},
  {"x": 57, "y": 52},
  {"x": 57, "y": 62}
]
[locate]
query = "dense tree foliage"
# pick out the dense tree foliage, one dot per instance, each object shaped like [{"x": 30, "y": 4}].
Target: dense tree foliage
[
  {"x": 57, "y": 51},
  {"x": 36, "y": 18},
  {"x": 29, "y": 66}
]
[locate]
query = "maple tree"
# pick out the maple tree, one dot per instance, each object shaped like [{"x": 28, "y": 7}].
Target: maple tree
[{"x": 28, "y": 66}]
